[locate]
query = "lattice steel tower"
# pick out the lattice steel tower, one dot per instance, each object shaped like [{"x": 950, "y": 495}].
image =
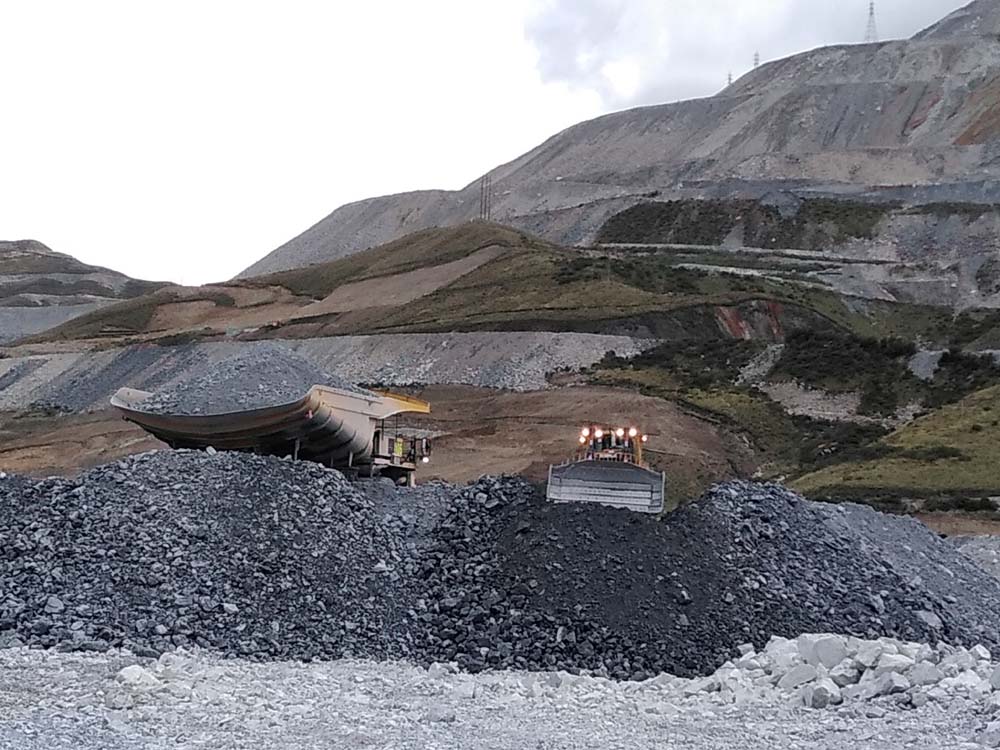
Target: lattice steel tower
[{"x": 871, "y": 36}]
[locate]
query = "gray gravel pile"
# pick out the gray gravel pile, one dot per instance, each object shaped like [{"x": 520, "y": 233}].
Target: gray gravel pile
[
  {"x": 265, "y": 374},
  {"x": 265, "y": 558},
  {"x": 513, "y": 582},
  {"x": 516, "y": 360},
  {"x": 245, "y": 555},
  {"x": 984, "y": 550}
]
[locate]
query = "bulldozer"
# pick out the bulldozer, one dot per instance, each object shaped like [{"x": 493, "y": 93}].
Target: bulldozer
[{"x": 608, "y": 469}]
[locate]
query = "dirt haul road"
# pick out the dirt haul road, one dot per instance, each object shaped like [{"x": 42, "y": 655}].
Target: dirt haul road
[{"x": 477, "y": 431}]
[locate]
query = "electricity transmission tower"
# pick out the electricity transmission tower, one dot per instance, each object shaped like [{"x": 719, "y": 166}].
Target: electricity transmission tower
[
  {"x": 871, "y": 35},
  {"x": 486, "y": 198},
  {"x": 756, "y": 59},
  {"x": 730, "y": 83}
]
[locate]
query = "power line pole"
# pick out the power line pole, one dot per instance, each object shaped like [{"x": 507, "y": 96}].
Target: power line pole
[
  {"x": 871, "y": 35},
  {"x": 486, "y": 198}
]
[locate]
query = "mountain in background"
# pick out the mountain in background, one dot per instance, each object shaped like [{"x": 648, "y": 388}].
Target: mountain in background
[
  {"x": 40, "y": 288},
  {"x": 902, "y": 123}
]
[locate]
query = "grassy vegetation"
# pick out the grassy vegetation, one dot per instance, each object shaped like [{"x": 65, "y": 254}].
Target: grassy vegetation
[
  {"x": 429, "y": 247},
  {"x": 818, "y": 224},
  {"x": 953, "y": 452},
  {"x": 534, "y": 285},
  {"x": 130, "y": 316}
]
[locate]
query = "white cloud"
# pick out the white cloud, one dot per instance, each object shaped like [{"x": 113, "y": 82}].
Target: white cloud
[{"x": 185, "y": 140}]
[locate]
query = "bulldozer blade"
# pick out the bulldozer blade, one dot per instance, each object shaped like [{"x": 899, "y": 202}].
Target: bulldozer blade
[{"x": 614, "y": 483}]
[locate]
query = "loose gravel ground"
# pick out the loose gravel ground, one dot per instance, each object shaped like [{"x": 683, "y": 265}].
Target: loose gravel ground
[
  {"x": 85, "y": 702},
  {"x": 985, "y": 550},
  {"x": 520, "y": 361},
  {"x": 260, "y": 376}
]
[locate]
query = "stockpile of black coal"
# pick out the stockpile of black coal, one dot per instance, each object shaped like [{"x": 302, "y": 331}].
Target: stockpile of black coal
[
  {"x": 511, "y": 581},
  {"x": 250, "y": 556}
]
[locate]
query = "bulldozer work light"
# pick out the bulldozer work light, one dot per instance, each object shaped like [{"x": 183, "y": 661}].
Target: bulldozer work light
[
  {"x": 632, "y": 432},
  {"x": 645, "y": 438},
  {"x": 583, "y": 440},
  {"x": 599, "y": 434},
  {"x": 620, "y": 432},
  {"x": 585, "y": 432}
]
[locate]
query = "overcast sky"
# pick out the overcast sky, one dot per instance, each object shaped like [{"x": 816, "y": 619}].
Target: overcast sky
[{"x": 185, "y": 139}]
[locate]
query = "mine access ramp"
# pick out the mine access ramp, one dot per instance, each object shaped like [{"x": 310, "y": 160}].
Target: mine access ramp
[
  {"x": 356, "y": 432},
  {"x": 608, "y": 470}
]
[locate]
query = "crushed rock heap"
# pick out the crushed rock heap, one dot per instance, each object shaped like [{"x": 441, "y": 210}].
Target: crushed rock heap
[
  {"x": 514, "y": 582},
  {"x": 243, "y": 554},
  {"x": 263, "y": 374},
  {"x": 265, "y": 558}
]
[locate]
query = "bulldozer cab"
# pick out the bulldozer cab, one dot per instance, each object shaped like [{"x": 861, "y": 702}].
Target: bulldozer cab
[
  {"x": 608, "y": 469},
  {"x": 611, "y": 445}
]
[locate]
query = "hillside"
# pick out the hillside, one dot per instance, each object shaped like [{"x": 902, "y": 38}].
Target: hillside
[
  {"x": 486, "y": 277},
  {"x": 40, "y": 288},
  {"x": 911, "y": 120},
  {"x": 946, "y": 457}
]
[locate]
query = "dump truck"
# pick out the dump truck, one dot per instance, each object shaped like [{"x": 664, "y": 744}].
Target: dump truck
[
  {"x": 608, "y": 469},
  {"x": 355, "y": 432}
]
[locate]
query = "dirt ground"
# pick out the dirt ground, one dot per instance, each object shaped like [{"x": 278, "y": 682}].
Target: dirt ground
[
  {"x": 962, "y": 524},
  {"x": 399, "y": 288},
  {"x": 482, "y": 431},
  {"x": 478, "y": 431},
  {"x": 66, "y": 444}
]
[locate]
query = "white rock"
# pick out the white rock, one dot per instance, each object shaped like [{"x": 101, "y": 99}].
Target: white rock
[
  {"x": 925, "y": 673},
  {"x": 874, "y": 712},
  {"x": 931, "y": 619},
  {"x": 919, "y": 699},
  {"x": 782, "y": 655},
  {"x": 845, "y": 674},
  {"x": 959, "y": 661},
  {"x": 210, "y": 451},
  {"x": 869, "y": 653},
  {"x": 702, "y": 685},
  {"x": 891, "y": 683},
  {"x": 981, "y": 652},
  {"x": 745, "y": 649},
  {"x": 137, "y": 676},
  {"x": 830, "y": 651},
  {"x": 466, "y": 689},
  {"x": 965, "y": 682},
  {"x": 824, "y": 693},
  {"x": 892, "y": 663},
  {"x": 995, "y": 679},
  {"x": 990, "y": 736},
  {"x": 796, "y": 676}
]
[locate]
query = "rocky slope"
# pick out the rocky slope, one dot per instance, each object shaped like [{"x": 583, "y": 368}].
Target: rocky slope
[
  {"x": 40, "y": 288},
  {"x": 913, "y": 120}
]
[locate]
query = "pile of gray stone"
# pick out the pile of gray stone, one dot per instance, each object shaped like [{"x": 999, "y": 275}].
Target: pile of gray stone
[
  {"x": 250, "y": 556},
  {"x": 265, "y": 558},
  {"x": 821, "y": 670},
  {"x": 514, "y": 582},
  {"x": 260, "y": 375}
]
